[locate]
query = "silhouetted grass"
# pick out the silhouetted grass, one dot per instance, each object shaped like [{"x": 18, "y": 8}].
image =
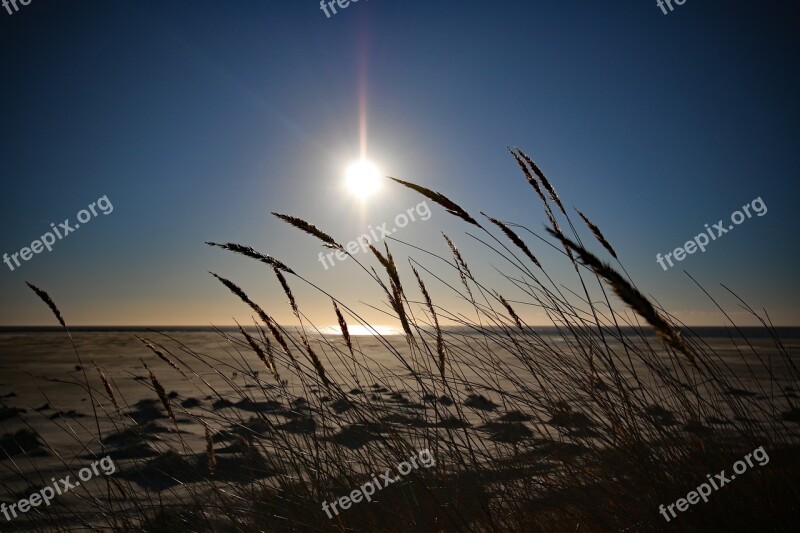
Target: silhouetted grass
[{"x": 590, "y": 432}]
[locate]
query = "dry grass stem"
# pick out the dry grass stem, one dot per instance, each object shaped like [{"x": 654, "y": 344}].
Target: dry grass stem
[
  {"x": 598, "y": 235},
  {"x": 311, "y": 229},
  {"x": 442, "y": 200},
  {"x": 49, "y": 301},
  {"x": 247, "y": 251}
]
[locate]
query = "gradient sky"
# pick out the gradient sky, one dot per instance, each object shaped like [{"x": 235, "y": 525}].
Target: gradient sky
[{"x": 197, "y": 119}]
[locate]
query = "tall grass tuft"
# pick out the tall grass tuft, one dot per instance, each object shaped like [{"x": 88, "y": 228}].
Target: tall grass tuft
[{"x": 588, "y": 423}]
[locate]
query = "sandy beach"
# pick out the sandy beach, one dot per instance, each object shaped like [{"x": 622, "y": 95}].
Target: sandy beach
[{"x": 49, "y": 429}]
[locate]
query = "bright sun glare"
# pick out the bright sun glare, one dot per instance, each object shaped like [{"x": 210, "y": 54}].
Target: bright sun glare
[{"x": 363, "y": 178}]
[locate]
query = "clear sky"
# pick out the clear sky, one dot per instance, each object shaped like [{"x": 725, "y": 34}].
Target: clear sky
[{"x": 197, "y": 119}]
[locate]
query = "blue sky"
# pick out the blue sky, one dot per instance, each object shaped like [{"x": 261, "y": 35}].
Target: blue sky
[{"x": 197, "y": 119}]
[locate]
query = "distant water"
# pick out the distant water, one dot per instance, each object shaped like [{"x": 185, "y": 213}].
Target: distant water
[{"x": 706, "y": 332}]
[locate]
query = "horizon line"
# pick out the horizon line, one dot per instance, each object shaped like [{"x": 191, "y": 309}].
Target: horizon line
[{"x": 376, "y": 326}]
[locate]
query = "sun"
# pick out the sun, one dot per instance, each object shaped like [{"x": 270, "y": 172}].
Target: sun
[{"x": 362, "y": 178}]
